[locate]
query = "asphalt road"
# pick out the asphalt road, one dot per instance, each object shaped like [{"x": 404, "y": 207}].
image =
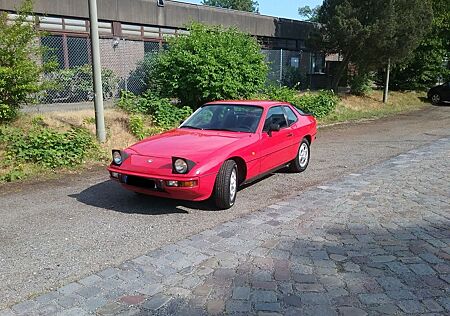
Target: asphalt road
[{"x": 58, "y": 231}]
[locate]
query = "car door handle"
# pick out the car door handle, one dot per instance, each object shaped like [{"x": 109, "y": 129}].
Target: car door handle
[{"x": 290, "y": 134}]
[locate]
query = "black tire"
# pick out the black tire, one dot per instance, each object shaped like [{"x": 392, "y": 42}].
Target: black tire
[
  {"x": 299, "y": 164},
  {"x": 436, "y": 98},
  {"x": 223, "y": 197}
]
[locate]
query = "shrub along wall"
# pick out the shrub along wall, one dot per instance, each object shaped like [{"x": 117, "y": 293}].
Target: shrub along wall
[
  {"x": 44, "y": 147},
  {"x": 319, "y": 103}
]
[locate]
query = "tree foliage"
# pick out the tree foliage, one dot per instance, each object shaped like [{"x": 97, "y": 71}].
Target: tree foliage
[
  {"x": 19, "y": 67},
  {"x": 309, "y": 14},
  {"x": 241, "y": 5},
  {"x": 211, "y": 63},
  {"x": 422, "y": 69},
  {"x": 367, "y": 33}
]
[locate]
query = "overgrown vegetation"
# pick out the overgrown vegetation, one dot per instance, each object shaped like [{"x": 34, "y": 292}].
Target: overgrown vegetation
[
  {"x": 361, "y": 84},
  {"x": 140, "y": 127},
  {"x": 211, "y": 63},
  {"x": 354, "y": 108},
  {"x": 19, "y": 72},
  {"x": 163, "y": 114},
  {"x": 44, "y": 147},
  {"x": 76, "y": 84},
  {"x": 319, "y": 103},
  {"x": 369, "y": 33},
  {"x": 426, "y": 64}
]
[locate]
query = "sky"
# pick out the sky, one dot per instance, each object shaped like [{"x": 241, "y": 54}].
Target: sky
[{"x": 278, "y": 8}]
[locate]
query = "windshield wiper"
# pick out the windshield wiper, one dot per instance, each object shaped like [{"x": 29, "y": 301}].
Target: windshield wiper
[
  {"x": 221, "y": 129},
  {"x": 189, "y": 126}
]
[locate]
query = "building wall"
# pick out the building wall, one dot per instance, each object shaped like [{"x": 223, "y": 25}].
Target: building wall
[
  {"x": 172, "y": 15},
  {"x": 122, "y": 58}
]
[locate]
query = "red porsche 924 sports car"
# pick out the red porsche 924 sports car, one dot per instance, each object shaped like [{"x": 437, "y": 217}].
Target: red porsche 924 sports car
[{"x": 218, "y": 148}]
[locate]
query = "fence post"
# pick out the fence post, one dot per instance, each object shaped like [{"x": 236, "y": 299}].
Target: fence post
[{"x": 96, "y": 72}]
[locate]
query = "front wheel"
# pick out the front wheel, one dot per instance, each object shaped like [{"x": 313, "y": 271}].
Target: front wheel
[
  {"x": 300, "y": 163},
  {"x": 436, "y": 98},
  {"x": 226, "y": 186}
]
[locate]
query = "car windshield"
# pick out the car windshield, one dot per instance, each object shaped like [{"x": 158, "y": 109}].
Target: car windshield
[{"x": 225, "y": 117}]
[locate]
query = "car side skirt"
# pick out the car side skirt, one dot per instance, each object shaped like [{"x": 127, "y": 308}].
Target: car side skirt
[{"x": 264, "y": 174}]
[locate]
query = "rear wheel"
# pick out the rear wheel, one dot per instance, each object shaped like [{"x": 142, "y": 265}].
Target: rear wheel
[
  {"x": 300, "y": 163},
  {"x": 436, "y": 98},
  {"x": 226, "y": 186}
]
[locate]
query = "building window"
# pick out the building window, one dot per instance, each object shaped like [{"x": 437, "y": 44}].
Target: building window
[
  {"x": 78, "y": 51},
  {"x": 318, "y": 63},
  {"x": 67, "y": 51},
  {"x": 151, "y": 47},
  {"x": 54, "y": 49}
]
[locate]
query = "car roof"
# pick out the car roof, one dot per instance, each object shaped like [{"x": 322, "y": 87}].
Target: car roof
[{"x": 261, "y": 103}]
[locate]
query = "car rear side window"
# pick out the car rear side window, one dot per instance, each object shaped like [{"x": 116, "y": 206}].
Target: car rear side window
[
  {"x": 275, "y": 115},
  {"x": 292, "y": 118}
]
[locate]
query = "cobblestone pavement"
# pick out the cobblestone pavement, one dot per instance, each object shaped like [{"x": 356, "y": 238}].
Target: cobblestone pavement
[{"x": 372, "y": 243}]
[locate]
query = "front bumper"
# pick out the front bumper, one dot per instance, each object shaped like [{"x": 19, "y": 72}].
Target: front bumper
[{"x": 156, "y": 185}]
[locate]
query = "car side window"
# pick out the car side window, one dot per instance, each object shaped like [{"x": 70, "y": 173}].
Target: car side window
[
  {"x": 292, "y": 118},
  {"x": 275, "y": 115}
]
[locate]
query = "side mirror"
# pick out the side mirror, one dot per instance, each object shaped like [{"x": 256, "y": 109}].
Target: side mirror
[{"x": 273, "y": 128}]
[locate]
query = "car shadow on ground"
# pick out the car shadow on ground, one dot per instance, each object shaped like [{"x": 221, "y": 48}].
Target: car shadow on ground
[{"x": 111, "y": 196}]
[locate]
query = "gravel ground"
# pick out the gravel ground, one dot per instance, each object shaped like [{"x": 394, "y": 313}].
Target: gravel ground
[{"x": 55, "y": 232}]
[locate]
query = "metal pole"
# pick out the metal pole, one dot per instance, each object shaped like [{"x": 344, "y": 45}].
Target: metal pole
[
  {"x": 97, "y": 72},
  {"x": 281, "y": 67},
  {"x": 386, "y": 84}
]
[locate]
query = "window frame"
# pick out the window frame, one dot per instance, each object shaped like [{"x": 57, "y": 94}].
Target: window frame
[{"x": 284, "y": 114}]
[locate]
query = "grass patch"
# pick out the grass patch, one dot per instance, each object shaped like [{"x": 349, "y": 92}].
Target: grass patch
[
  {"x": 354, "y": 108},
  {"x": 13, "y": 169}
]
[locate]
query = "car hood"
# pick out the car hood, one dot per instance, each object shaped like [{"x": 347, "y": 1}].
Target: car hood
[{"x": 186, "y": 143}]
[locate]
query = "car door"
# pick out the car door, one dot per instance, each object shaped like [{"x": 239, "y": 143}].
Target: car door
[
  {"x": 446, "y": 92},
  {"x": 275, "y": 145}
]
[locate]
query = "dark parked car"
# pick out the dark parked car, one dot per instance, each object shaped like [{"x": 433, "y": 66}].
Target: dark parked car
[{"x": 439, "y": 93}]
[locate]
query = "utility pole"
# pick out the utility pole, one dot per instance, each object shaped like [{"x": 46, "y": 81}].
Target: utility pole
[
  {"x": 96, "y": 72},
  {"x": 281, "y": 67},
  {"x": 386, "y": 84}
]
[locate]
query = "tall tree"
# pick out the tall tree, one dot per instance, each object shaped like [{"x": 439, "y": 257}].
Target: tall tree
[
  {"x": 426, "y": 64},
  {"x": 309, "y": 14},
  {"x": 241, "y": 5},
  {"x": 20, "y": 70},
  {"x": 369, "y": 33}
]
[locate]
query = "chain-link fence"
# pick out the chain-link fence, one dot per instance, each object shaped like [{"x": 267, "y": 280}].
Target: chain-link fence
[
  {"x": 124, "y": 67},
  {"x": 126, "y": 63},
  {"x": 293, "y": 68}
]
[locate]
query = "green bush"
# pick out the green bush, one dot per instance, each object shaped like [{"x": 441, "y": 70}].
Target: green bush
[
  {"x": 47, "y": 147},
  {"x": 211, "y": 63},
  {"x": 139, "y": 129},
  {"x": 361, "y": 84},
  {"x": 141, "y": 78},
  {"x": 132, "y": 103},
  {"x": 319, "y": 103},
  {"x": 163, "y": 112},
  {"x": 294, "y": 78},
  {"x": 16, "y": 173},
  {"x": 76, "y": 84},
  {"x": 19, "y": 71}
]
